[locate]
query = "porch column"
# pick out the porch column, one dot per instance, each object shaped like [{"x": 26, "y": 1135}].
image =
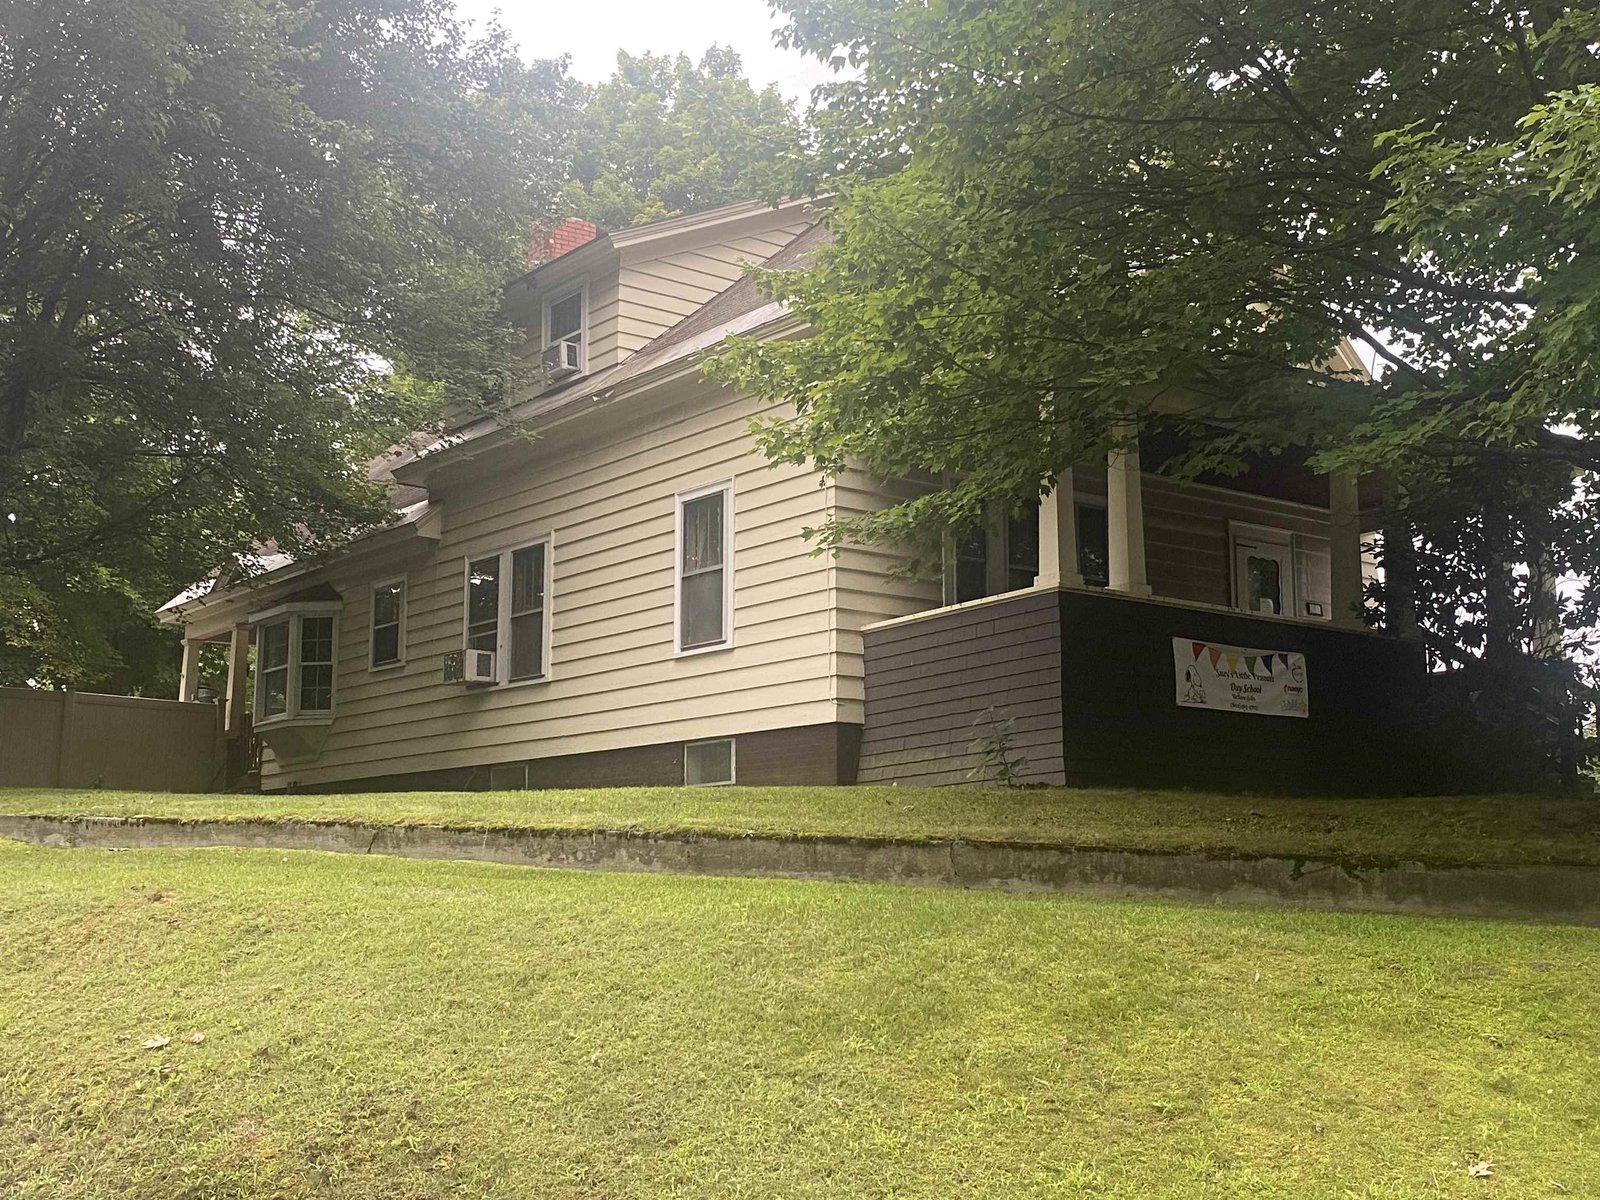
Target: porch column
[
  {"x": 238, "y": 677},
  {"x": 1058, "y": 536},
  {"x": 1344, "y": 533},
  {"x": 189, "y": 677},
  {"x": 1125, "y": 518},
  {"x": 1400, "y": 579}
]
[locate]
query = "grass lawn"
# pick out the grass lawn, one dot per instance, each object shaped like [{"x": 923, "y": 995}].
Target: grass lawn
[
  {"x": 380, "y": 1027},
  {"x": 1444, "y": 830}
]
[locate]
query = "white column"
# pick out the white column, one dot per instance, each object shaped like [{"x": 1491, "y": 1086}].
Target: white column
[
  {"x": 238, "y": 677},
  {"x": 1344, "y": 533},
  {"x": 189, "y": 678},
  {"x": 1058, "y": 536},
  {"x": 1125, "y": 518}
]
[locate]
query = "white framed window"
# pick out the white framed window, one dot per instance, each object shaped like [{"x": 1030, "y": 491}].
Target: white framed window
[
  {"x": 1263, "y": 569},
  {"x": 386, "y": 642},
  {"x": 708, "y": 762},
  {"x": 297, "y": 646},
  {"x": 507, "y": 602},
  {"x": 703, "y": 571},
  {"x": 565, "y": 322}
]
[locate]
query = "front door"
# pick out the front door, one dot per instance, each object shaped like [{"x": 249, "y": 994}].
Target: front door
[{"x": 1263, "y": 572}]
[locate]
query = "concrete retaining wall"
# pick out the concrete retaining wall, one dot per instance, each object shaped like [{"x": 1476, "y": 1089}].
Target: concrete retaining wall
[{"x": 1551, "y": 893}]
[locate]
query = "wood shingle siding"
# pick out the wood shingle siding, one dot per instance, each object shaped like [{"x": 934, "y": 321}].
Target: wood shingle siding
[{"x": 928, "y": 680}]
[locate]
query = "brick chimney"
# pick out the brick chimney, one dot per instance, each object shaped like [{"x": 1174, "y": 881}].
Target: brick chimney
[{"x": 552, "y": 241}]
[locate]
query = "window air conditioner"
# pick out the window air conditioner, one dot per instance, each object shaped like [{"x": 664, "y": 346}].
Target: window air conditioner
[
  {"x": 561, "y": 359},
  {"x": 470, "y": 666}
]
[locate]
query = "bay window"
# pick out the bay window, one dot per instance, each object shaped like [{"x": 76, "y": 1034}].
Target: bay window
[
  {"x": 508, "y": 610},
  {"x": 296, "y": 646},
  {"x": 704, "y": 574}
]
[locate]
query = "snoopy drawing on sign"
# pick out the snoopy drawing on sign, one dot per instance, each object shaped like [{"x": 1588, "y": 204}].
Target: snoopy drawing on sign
[{"x": 1194, "y": 692}]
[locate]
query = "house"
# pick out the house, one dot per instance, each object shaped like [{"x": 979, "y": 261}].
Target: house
[{"x": 617, "y": 590}]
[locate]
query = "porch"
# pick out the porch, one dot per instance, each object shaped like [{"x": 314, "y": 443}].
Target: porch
[
  {"x": 1160, "y": 635},
  {"x": 240, "y": 745}
]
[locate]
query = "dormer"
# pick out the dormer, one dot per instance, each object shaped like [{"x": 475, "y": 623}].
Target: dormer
[
  {"x": 566, "y": 303},
  {"x": 591, "y": 299}
]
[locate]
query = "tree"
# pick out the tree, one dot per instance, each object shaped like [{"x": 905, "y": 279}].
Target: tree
[
  {"x": 664, "y": 136},
  {"x": 1052, "y": 220},
  {"x": 244, "y": 245}
]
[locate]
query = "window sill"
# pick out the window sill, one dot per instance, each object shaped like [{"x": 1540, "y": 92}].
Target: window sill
[
  {"x": 522, "y": 683},
  {"x": 374, "y": 668},
  {"x": 490, "y": 689},
  {"x": 694, "y": 651},
  {"x": 297, "y": 722}
]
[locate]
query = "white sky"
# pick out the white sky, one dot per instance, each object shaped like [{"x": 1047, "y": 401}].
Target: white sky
[{"x": 592, "y": 31}]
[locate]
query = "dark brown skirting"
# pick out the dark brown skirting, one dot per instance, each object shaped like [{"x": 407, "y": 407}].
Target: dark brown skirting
[{"x": 801, "y": 755}]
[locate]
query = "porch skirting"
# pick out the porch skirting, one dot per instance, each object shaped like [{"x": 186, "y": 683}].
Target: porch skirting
[{"x": 1083, "y": 679}]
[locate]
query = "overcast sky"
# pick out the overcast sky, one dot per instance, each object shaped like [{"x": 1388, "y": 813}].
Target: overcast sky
[{"x": 592, "y": 31}]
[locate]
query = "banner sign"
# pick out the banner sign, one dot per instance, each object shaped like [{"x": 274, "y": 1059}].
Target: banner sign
[{"x": 1269, "y": 683}]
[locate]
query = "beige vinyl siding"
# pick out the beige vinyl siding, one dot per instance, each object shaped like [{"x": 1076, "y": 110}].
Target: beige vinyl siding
[
  {"x": 1187, "y": 547},
  {"x": 868, "y": 584},
  {"x": 657, "y": 293},
  {"x": 614, "y": 678},
  {"x": 605, "y": 309},
  {"x": 631, "y": 305}
]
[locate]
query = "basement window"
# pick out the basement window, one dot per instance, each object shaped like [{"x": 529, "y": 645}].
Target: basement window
[
  {"x": 706, "y": 763},
  {"x": 508, "y": 777}
]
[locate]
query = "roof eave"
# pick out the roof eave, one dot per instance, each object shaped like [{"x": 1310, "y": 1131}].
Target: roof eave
[
  {"x": 777, "y": 323},
  {"x": 423, "y": 524}
]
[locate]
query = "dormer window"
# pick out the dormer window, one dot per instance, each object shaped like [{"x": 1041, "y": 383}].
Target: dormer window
[{"x": 563, "y": 336}]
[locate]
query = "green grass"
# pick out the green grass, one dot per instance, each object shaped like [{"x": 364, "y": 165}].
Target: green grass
[
  {"x": 1443, "y": 830},
  {"x": 379, "y": 1027}
]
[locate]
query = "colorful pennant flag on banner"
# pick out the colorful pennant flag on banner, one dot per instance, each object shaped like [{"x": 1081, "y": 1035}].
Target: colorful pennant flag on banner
[{"x": 1236, "y": 679}]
